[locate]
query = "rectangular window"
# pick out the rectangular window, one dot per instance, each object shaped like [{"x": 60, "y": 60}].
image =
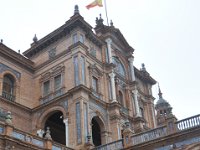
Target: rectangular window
[
  {"x": 83, "y": 69},
  {"x": 75, "y": 38},
  {"x": 81, "y": 38},
  {"x": 95, "y": 84},
  {"x": 78, "y": 122},
  {"x": 107, "y": 55},
  {"x": 86, "y": 120},
  {"x": 46, "y": 88},
  {"x": 76, "y": 72},
  {"x": 57, "y": 82}
]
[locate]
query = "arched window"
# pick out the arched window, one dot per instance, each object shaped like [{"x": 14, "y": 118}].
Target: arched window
[
  {"x": 8, "y": 87},
  {"x": 120, "y": 99},
  {"x": 119, "y": 66}
]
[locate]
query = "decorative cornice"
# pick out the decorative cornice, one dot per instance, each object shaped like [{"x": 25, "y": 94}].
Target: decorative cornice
[
  {"x": 75, "y": 21},
  {"x": 16, "y": 58}
]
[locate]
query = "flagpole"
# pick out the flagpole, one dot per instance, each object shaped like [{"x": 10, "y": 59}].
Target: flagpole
[{"x": 106, "y": 12}]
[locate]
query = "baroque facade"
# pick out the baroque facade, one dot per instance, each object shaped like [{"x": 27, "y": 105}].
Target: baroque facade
[{"x": 76, "y": 88}]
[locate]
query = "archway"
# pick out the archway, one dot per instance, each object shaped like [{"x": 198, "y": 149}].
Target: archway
[
  {"x": 97, "y": 128},
  {"x": 57, "y": 127}
]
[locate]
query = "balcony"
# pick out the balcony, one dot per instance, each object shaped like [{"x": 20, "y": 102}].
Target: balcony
[
  {"x": 8, "y": 96},
  {"x": 51, "y": 96}
]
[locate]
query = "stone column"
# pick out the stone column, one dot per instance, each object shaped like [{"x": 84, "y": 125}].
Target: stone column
[
  {"x": 137, "y": 110},
  {"x": 131, "y": 59},
  {"x": 66, "y": 131},
  {"x": 109, "y": 41},
  {"x": 113, "y": 90}
]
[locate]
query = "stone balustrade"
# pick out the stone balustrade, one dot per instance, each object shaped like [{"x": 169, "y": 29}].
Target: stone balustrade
[
  {"x": 27, "y": 139},
  {"x": 149, "y": 135},
  {"x": 188, "y": 123},
  {"x": 116, "y": 145}
]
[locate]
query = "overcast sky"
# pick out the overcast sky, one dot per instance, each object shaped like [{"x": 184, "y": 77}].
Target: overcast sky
[{"x": 164, "y": 33}]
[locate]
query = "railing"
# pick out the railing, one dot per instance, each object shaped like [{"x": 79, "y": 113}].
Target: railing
[
  {"x": 37, "y": 141},
  {"x": 57, "y": 146},
  {"x": 149, "y": 135},
  {"x": 8, "y": 96},
  {"x": 188, "y": 123},
  {"x": 50, "y": 96},
  {"x": 116, "y": 145}
]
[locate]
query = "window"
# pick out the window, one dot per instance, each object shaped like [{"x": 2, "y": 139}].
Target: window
[
  {"x": 8, "y": 87},
  {"x": 46, "y": 88},
  {"x": 57, "y": 82},
  {"x": 95, "y": 84},
  {"x": 75, "y": 38},
  {"x": 76, "y": 71},
  {"x": 142, "y": 112},
  {"x": 120, "y": 98},
  {"x": 81, "y": 38},
  {"x": 119, "y": 66},
  {"x": 83, "y": 69}
]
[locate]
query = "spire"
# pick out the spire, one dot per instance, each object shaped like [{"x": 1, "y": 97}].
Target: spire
[
  {"x": 159, "y": 92},
  {"x": 76, "y": 10}
]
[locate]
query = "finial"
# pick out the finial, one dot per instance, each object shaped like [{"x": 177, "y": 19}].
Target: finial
[
  {"x": 48, "y": 134},
  {"x": 143, "y": 67},
  {"x": 159, "y": 91},
  {"x": 35, "y": 39},
  {"x": 100, "y": 16},
  {"x": 111, "y": 23},
  {"x": 76, "y": 10},
  {"x": 19, "y": 51},
  {"x": 8, "y": 118},
  {"x": 1, "y": 40}
]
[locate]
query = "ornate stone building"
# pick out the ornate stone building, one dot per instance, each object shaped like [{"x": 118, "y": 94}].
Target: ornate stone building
[{"x": 74, "y": 87}]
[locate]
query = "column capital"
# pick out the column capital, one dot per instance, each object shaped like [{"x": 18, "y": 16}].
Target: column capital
[
  {"x": 112, "y": 74},
  {"x": 108, "y": 40},
  {"x": 66, "y": 121},
  {"x": 135, "y": 91},
  {"x": 131, "y": 59}
]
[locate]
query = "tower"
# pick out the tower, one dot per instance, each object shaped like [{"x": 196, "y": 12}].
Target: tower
[{"x": 163, "y": 109}]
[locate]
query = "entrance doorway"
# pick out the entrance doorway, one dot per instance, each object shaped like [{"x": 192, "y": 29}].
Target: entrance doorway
[
  {"x": 96, "y": 132},
  {"x": 57, "y": 127}
]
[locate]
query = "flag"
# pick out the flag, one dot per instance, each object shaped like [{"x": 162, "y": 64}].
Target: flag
[{"x": 95, "y": 3}]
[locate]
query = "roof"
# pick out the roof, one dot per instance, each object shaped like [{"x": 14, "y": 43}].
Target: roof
[{"x": 75, "y": 21}]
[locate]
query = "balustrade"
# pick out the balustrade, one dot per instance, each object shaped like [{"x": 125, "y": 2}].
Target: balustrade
[
  {"x": 188, "y": 123},
  {"x": 149, "y": 135},
  {"x": 116, "y": 145},
  {"x": 57, "y": 146}
]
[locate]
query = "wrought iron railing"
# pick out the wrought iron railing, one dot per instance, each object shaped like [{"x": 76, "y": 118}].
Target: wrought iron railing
[
  {"x": 188, "y": 123},
  {"x": 51, "y": 96},
  {"x": 8, "y": 96},
  {"x": 116, "y": 145}
]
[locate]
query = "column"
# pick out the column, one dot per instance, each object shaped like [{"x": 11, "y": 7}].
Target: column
[
  {"x": 112, "y": 78},
  {"x": 137, "y": 110},
  {"x": 131, "y": 59},
  {"x": 109, "y": 41},
  {"x": 66, "y": 131}
]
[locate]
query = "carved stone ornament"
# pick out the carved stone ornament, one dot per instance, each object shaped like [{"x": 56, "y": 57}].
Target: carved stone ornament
[{"x": 52, "y": 53}]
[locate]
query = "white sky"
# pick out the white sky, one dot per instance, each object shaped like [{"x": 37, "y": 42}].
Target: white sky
[{"x": 164, "y": 33}]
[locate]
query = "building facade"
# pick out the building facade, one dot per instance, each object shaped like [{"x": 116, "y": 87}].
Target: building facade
[{"x": 75, "y": 87}]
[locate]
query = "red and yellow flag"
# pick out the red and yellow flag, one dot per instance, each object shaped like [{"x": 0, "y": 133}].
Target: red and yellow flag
[{"x": 95, "y": 3}]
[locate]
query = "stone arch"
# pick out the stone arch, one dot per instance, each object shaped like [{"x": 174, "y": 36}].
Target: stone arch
[
  {"x": 44, "y": 116},
  {"x": 98, "y": 126},
  {"x": 194, "y": 147},
  {"x": 101, "y": 119}
]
